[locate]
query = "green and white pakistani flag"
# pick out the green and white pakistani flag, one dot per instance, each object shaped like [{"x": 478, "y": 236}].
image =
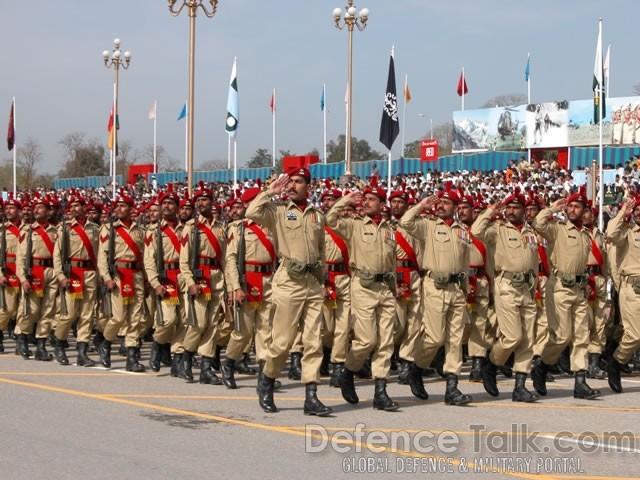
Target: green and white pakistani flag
[
  {"x": 233, "y": 114},
  {"x": 599, "y": 102}
]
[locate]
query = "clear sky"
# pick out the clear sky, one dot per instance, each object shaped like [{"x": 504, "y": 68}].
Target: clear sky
[{"x": 52, "y": 64}]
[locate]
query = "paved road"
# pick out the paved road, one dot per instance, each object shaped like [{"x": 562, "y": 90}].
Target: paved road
[{"x": 72, "y": 422}]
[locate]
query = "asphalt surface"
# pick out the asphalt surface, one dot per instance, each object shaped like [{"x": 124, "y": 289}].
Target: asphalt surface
[{"x": 75, "y": 422}]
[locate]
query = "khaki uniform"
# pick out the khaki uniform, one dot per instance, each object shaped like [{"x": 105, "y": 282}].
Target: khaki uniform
[
  {"x": 409, "y": 304},
  {"x": 256, "y": 313},
  {"x": 373, "y": 288},
  {"x": 566, "y": 289},
  {"x": 516, "y": 265},
  {"x": 446, "y": 261},
  {"x": 337, "y": 307},
  {"x": 44, "y": 284},
  {"x": 12, "y": 289},
  {"x": 209, "y": 304},
  {"x": 81, "y": 293},
  {"x": 173, "y": 302},
  {"x": 541, "y": 329},
  {"x": 128, "y": 295},
  {"x": 297, "y": 284},
  {"x": 626, "y": 238},
  {"x": 478, "y": 298},
  {"x": 597, "y": 270}
]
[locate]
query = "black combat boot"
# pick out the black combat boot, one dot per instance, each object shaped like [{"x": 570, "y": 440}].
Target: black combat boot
[
  {"x": 1, "y": 341},
  {"x": 581, "y": 389},
  {"x": 226, "y": 369},
  {"x": 507, "y": 368},
  {"x": 215, "y": 361},
  {"x": 564, "y": 361},
  {"x": 438, "y": 362},
  {"x": 613, "y": 375},
  {"x": 22, "y": 348},
  {"x": 176, "y": 365},
  {"x": 594, "y": 370},
  {"x": 122, "y": 349},
  {"x": 365, "y": 371},
  {"x": 165, "y": 354},
  {"x": 489, "y": 380},
  {"x": 414, "y": 378},
  {"x": 334, "y": 381},
  {"x": 452, "y": 395},
  {"x": 98, "y": 338},
  {"x": 475, "y": 375},
  {"x": 242, "y": 366},
  {"x": 313, "y": 406},
  {"x": 381, "y": 400},
  {"x": 41, "y": 351},
  {"x": 11, "y": 328},
  {"x": 403, "y": 375},
  {"x": 154, "y": 359},
  {"x": 295, "y": 369},
  {"x": 635, "y": 359},
  {"x": 539, "y": 376},
  {"x": 133, "y": 365},
  {"x": 520, "y": 392},
  {"x": 58, "y": 349},
  {"x": 83, "y": 359},
  {"x": 186, "y": 366},
  {"x": 347, "y": 386},
  {"x": 395, "y": 358},
  {"x": 265, "y": 393},
  {"x": 326, "y": 360},
  {"x": 207, "y": 375},
  {"x": 105, "y": 353}
]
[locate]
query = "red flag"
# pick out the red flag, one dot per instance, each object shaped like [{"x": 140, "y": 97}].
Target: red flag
[
  {"x": 272, "y": 103},
  {"x": 462, "y": 86},
  {"x": 11, "y": 133}
]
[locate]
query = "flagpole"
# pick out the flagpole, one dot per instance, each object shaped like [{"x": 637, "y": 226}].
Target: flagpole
[
  {"x": 404, "y": 112},
  {"x": 229, "y": 153},
  {"x": 606, "y": 68},
  {"x": 15, "y": 154},
  {"x": 186, "y": 143},
  {"x": 235, "y": 163},
  {"x": 155, "y": 136},
  {"x": 273, "y": 129},
  {"x": 601, "y": 121},
  {"x": 528, "y": 97},
  {"x": 324, "y": 122},
  {"x": 115, "y": 136},
  {"x": 389, "y": 174}
]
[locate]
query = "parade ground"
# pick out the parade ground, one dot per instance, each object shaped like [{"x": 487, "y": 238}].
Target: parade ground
[{"x": 73, "y": 422}]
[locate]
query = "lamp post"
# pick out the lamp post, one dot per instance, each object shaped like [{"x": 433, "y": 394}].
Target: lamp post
[
  {"x": 424, "y": 115},
  {"x": 192, "y": 6},
  {"x": 115, "y": 60},
  {"x": 350, "y": 19}
]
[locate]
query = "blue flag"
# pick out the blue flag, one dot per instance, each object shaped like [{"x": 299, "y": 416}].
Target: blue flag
[
  {"x": 322, "y": 100},
  {"x": 183, "y": 112},
  {"x": 526, "y": 70}
]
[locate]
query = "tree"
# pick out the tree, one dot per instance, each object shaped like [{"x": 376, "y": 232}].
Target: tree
[
  {"x": 361, "y": 151},
  {"x": 636, "y": 89},
  {"x": 215, "y": 164},
  {"x": 508, "y": 100},
  {"x": 28, "y": 158},
  {"x": 83, "y": 158},
  {"x": 262, "y": 158}
]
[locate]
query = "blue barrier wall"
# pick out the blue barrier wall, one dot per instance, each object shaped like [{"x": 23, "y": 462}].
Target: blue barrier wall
[{"x": 485, "y": 161}]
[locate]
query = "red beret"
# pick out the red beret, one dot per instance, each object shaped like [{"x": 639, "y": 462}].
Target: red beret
[
  {"x": 449, "y": 193},
  {"x": 377, "y": 191},
  {"x": 333, "y": 192},
  {"x": 516, "y": 197},
  {"x": 13, "y": 201},
  {"x": 300, "y": 172},
  {"x": 37, "y": 200},
  {"x": 399, "y": 194},
  {"x": 249, "y": 194},
  {"x": 580, "y": 197},
  {"x": 169, "y": 195},
  {"x": 186, "y": 202},
  {"x": 467, "y": 199},
  {"x": 202, "y": 191},
  {"x": 124, "y": 198}
]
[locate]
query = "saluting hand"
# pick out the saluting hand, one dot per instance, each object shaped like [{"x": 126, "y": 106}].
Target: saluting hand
[
  {"x": 279, "y": 184},
  {"x": 353, "y": 197},
  {"x": 559, "y": 205},
  {"x": 429, "y": 202},
  {"x": 629, "y": 205}
]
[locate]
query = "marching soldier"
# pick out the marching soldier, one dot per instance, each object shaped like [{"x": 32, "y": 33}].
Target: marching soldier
[
  {"x": 34, "y": 268},
  {"x": 409, "y": 282},
  {"x": 201, "y": 257},
  {"x": 566, "y": 293},
  {"x": 337, "y": 304},
  {"x": 185, "y": 212},
  {"x": 8, "y": 278},
  {"x": 446, "y": 261},
  {"x": 162, "y": 266},
  {"x": 75, "y": 266},
  {"x": 251, "y": 246},
  {"x": 597, "y": 270},
  {"x": 297, "y": 285},
  {"x": 373, "y": 292},
  {"x": 120, "y": 264},
  {"x": 626, "y": 237},
  {"x": 516, "y": 263}
]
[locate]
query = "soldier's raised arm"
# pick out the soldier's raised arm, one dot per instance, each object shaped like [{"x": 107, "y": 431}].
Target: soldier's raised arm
[
  {"x": 617, "y": 227},
  {"x": 483, "y": 228},
  {"x": 261, "y": 210},
  {"x": 342, "y": 226},
  {"x": 543, "y": 223},
  {"x": 411, "y": 220}
]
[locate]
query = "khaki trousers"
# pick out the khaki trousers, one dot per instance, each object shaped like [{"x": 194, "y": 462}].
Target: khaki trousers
[
  {"x": 127, "y": 319},
  {"x": 337, "y": 321},
  {"x": 297, "y": 302},
  {"x": 407, "y": 322},
  {"x": 478, "y": 342},
  {"x": 81, "y": 309},
  {"x": 516, "y": 312},
  {"x": 568, "y": 323},
  {"x": 541, "y": 328},
  {"x": 11, "y": 301},
  {"x": 442, "y": 324},
  {"x": 42, "y": 309},
  {"x": 597, "y": 318},
  {"x": 629, "y": 308}
]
